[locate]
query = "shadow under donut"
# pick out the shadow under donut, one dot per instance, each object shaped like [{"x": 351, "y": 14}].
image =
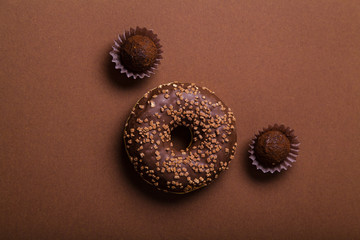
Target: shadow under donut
[{"x": 134, "y": 179}]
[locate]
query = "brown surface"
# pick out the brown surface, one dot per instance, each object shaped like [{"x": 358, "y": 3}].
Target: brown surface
[{"x": 63, "y": 172}]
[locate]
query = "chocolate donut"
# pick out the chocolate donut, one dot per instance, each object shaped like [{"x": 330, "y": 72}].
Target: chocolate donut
[{"x": 147, "y": 137}]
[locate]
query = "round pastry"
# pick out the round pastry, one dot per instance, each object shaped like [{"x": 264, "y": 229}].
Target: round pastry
[
  {"x": 147, "y": 137},
  {"x": 137, "y": 53},
  {"x": 274, "y": 149}
]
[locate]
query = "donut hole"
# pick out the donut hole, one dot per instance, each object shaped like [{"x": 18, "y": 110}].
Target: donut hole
[{"x": 181, "y": 137}]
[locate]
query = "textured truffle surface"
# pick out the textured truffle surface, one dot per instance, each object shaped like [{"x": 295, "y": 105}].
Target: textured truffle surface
[
  {"x": 138, "y": 53},
  {"x": 272, "y": 147}
]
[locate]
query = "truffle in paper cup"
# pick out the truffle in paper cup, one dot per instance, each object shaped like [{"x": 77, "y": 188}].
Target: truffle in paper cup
[
  {"x": 137, "y": 53},
  {"x": 284, "y": 143}
]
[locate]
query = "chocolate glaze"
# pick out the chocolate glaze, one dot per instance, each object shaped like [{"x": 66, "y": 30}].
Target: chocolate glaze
[{"x": 148, "y": 143}]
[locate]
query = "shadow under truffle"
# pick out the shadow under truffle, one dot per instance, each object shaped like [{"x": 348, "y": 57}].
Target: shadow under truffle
[
  {"x": 252, "y": 172},
  {"x": 118, "y": 79}
]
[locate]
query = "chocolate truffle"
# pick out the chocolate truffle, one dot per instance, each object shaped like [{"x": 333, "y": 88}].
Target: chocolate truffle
[
  {"x": 272, "y": 147},
  {"x": 138, "y": 53}
]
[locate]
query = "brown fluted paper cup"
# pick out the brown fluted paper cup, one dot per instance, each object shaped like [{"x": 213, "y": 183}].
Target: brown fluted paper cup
[
  {"x": 290, "y": 159},
  {"x": 119, "y": 64}
]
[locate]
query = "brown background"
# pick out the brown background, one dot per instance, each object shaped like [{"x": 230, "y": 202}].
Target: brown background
[{"x": 63, "y": 172}]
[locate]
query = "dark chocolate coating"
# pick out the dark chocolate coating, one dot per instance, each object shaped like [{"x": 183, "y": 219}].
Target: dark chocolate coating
[
  {"x": 272, "y": 147},
  {"x": 138, "y": 53},
  {"x": 148, "y": 143}
]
